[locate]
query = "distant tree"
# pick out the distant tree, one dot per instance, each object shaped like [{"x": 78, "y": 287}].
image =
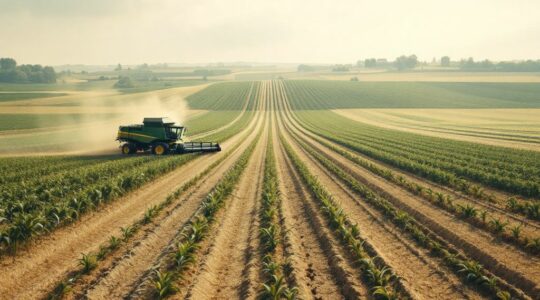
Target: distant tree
[
  {"x": 124, "y": 82},
  {"x": 523, "y": 66},
  {"x": 49, "y": 76},
  {"x": 467, "y": 64},
  {"x": 471, "y": 65},
  {"x": 359, "y": 63},
  {"x": 7, "y": 63},
  {"x": 406, "y": 62},
  {"x": 445, "y": 61},
  {"x": 10, "y": 72},
  {"x": 370, "y": 63},
  {"x": 118, "y": 67}
]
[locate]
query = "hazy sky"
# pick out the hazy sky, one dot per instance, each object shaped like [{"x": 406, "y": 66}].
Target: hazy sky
[{"x": 311, "y": 31}]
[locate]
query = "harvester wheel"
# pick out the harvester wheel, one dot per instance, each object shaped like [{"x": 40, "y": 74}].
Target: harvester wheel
[
  {"x": 160, "y": 149},
  {"x": 128, "y": 149}
]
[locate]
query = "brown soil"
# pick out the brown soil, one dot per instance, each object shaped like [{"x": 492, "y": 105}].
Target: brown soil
[
  {"x": 230, "y": 268},
  {"x": 321, "y": 270}
]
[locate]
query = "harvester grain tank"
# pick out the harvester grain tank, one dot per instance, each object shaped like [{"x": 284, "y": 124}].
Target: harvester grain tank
[{"x": 160, "y": 136}]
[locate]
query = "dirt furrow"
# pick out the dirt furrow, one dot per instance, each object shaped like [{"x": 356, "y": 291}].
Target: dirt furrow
[
  {"x": 423, "y": 276},
  {"x": 51, "y": 258},
  {"x": 229, "y": 269},
  {"x": 503, "y": 260},
  {"x": 321, "y": 270},
  {"x": 125, "y": 276}
]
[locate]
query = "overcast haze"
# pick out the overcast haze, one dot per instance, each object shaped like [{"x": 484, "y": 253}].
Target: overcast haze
[{"x": 131, "y": 32}]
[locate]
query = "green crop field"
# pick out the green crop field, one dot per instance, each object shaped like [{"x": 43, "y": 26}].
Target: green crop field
[
  {"x": 32, "y": 121},
  {"x": 24, "y": 96},
  {"x": 308, "y": 170},
  {"x": 342, "y": 94}
]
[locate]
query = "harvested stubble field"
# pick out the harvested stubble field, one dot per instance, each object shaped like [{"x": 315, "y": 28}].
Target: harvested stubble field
[{"x": 302, "y": 203}]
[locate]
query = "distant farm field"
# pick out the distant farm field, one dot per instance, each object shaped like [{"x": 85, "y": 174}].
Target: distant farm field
[
  {"x": 341, "y": 94},
  {"x": 321, "y": 190},
  {"x": 23, "y": 96},
  {"x": 504, "y": 127}
]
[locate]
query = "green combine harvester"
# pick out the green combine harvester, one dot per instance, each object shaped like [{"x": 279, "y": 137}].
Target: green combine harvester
[{"x": 160, "y": 136}]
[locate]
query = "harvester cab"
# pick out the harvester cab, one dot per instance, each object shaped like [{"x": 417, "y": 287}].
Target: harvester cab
[{"x": 160, "y": 136}]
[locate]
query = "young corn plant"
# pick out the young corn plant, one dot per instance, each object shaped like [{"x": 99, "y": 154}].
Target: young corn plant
[
  {"x": 88, "y": 262},
  {"x": 163, "y": 284},
  {"x": 270, "y": 237},
  {"x": 275, "y": 289},
  {"x": 498, "y": 226},
  {"x": 185, "y": 254},
  {"x": 127, "y": 232},
  {"x": 114, "y": 242}
]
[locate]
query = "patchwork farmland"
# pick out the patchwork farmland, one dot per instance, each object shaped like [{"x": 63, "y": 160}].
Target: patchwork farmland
[{"x": 323, "y": 190}]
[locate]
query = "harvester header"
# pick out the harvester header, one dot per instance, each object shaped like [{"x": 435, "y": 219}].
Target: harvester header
[{"x": 160, "y": 136}]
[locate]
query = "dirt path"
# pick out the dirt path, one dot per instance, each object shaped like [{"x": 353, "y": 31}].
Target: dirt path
[
  {"x": 321, "y": 270},
  {"x": 53, "y": 256},
  {"x": 504, "y": 260},
  {"x": 231, "y": 268}
]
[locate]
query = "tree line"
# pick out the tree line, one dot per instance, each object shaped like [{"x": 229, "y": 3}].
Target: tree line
[
  {"x": 410, "y": 62},
  {"x": 487, "y": 65},
  {"x": 12, "y": 73}
]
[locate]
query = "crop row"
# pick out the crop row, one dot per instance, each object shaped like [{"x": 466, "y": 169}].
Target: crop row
[
  {"x": 197, "y": 230},
  {"x": 89, "y": 261},
  {"x": 18, "y": 169},
  {"x": 275, "y": 268},
  {"x": 332, "y": 94},
  {"x": 529, "y": 208},
  {"x": 431, "y": 167},
  {"x": 24, "y": 219},
  {"x": 501, "y": 158},
  {"x": 470, "y": 270},
  {"x": 219, "y": 118},
  {"x": 221, "y": 96},
  {"x": 467, "y": 212},
  {"x": 384, "y": 282}
]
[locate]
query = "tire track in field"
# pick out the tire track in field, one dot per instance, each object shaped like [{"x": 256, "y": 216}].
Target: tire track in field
[
  {"x": 126, "y": 275},
  {"x": 230, "y": 268},
  {"x": 320, "y": 270},
  {"x": 505, "y": 261},
  {"x": 33, "y": 272}
]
